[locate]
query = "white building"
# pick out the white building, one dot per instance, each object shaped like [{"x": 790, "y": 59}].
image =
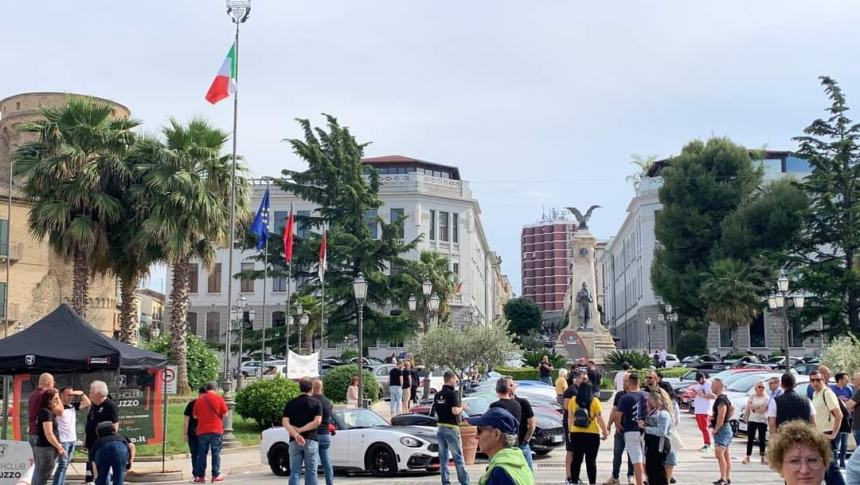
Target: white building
[
  {"x": 630, "y": 300},
  {"x": 438, "y": 206}
]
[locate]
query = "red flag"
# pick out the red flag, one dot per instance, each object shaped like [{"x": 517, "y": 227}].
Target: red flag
[
  {"x": 288, "y": 238},
  {"x": 323, "y": 259}
]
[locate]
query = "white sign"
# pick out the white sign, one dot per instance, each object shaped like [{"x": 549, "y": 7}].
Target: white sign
[
  {"x": 16, "y": 459},
  {"x": 170, "y": 378},
  {"x": 299, "y": 366}
]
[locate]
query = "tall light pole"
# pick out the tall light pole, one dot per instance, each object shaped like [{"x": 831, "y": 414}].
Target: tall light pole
[
  {"x": 303, "y": 320},
  {"x": 238, "y": 10},
  {"x": 427, "y": 289},
  {"x": 648, "y": 325},
  {"x": 298, "y": 320},
  {"x": 780, "y": 300},
  {"x": 359, "y": 288}
]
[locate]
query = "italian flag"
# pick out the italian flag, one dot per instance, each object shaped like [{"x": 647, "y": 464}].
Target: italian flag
[{"x": 225, "y": 81}]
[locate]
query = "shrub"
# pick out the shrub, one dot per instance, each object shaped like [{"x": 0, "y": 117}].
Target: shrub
[
  {"x": 638, "y": 359},
  {"x": 202, "y": 363},
  {"x": 337, "y": 381},
  {"x": 523, "y": 373},
  {"x": 264, "y": 400},
  {"x": 533, "y": 358},
  {"x": 348, "y": 354},
  {"x": 690, "y": 343},
  {"x": 843, "y": 354}
]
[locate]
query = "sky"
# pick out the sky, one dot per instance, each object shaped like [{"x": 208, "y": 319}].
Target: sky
[{"x": 539, "y": 103}]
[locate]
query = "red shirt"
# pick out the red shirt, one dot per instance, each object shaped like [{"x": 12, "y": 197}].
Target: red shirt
[
  {"x": 209, "y": 409},
  {"x": 33, "y": 410}
]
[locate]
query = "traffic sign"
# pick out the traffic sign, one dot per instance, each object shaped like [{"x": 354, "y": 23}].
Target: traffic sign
[{"x": 170, "y": 379}]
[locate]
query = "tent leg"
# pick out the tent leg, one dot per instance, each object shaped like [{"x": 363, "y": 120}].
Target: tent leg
[{"x": 6, "y": 386}]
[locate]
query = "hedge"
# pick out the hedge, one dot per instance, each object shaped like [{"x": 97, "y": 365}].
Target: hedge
[
  {"x": 264, "y": 400},
  {"x": 337, "y": 380},
  {"x": 524, "y": 373}
]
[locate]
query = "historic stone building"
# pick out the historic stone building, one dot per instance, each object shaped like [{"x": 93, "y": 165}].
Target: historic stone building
[{"x": 40, "y": 279}]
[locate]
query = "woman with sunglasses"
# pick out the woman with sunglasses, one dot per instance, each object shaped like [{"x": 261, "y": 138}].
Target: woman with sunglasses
[
  {"x": 756, "y": 418},
  {"x": 800, "y": 453}
]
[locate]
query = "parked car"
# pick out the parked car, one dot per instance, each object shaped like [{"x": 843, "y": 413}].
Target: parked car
[
  {"x": 368, "y": 361},
  {"x": 380, "y": 372},
  {"x": 804, "y": 369},
  {"x": 364, "y": 441},
  {"x": 672, "y": 361},
  {"x": 682, "y": 382},
  {"x": 800, "y": 388},
  {"x": 250, "y": 368},
  {"x": 704, "y": 362},
  {"x": 778, "y": 362}
]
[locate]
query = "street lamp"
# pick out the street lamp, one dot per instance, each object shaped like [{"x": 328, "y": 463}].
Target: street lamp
[
  {"x": 359, "y": 288},
  {"x": 434, "y": 304},
  {"x": 648, "y": 325},
  {"x": 780, "y": 300},
  {"x": 427, "y": 287},
  {"x": 413, "y": 303},
  {"x": 303, "y": 320}
]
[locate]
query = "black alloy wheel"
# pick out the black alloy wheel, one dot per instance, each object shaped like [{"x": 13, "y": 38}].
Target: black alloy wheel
[
  {"x": 382, "y": 461},
  {"x": 279, "y": 460}
]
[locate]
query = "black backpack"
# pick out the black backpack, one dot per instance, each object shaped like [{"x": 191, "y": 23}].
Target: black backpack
[
  {"x": 581, "y": 417},
  {"x": 845, "y": 425}
]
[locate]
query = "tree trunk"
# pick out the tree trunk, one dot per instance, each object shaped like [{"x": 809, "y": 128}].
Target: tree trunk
[
  {"x": 80, "y": 283},
  {"x": 179, "y": 324},
  {"x": 128, "y": 321}
]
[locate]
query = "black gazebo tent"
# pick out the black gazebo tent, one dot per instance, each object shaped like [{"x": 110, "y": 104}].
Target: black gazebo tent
[{"x": 62, "y": 341}]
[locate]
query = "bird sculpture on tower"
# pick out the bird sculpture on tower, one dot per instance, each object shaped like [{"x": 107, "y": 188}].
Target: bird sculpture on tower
[{"x": 582, "y": 221}]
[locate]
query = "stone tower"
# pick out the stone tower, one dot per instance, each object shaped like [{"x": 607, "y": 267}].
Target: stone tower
[{"x": 40, "y": 279}]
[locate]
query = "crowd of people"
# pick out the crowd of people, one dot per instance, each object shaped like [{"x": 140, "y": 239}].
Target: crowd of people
[
  {"x": 403, "y": 381},
  {"x": 52, "y": 414}
]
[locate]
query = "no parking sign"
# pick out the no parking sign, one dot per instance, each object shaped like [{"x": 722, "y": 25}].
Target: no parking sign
[{"x": 170, "y": 379}]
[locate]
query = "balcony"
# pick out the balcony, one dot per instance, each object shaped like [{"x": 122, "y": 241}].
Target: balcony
[
  {"x": 14, "y": 312},
  {"x": 426, "y": 184},
  {"x": 14, "y": 251}
]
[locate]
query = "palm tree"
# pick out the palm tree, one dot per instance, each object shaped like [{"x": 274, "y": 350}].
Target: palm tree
[
  {"x": 435, "y": 267},
  {"x": 70, "y": 174},
  {"x": 188, "y": 212},
  {"x": 643, "y": 164},
  {"x": 731, "y": 295}
]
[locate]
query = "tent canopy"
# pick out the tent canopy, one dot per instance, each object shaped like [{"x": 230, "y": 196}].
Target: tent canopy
[{"x": 62, "y": 341}]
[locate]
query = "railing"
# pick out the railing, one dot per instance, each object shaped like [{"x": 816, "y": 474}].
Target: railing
[{"x": 14, "y": 251}]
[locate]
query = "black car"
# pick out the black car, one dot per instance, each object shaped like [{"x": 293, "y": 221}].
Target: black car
[{"x": 704, "y": 362}]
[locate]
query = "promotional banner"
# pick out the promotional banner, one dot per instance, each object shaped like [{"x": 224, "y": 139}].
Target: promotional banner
[
  {"x": 137, "y": 394},
  {"x": 16, "y": 458},
  {"x": 299, "y": 366}
]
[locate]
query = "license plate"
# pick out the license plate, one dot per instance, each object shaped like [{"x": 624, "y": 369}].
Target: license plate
[
  {"x": 742, "y": 426},
  {"x": 557, "y": 438}
]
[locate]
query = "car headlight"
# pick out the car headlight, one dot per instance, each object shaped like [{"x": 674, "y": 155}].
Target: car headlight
[{"x": 410, "y": 442}]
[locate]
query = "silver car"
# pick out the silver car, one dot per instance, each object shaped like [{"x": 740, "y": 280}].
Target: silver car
[{"x": 380, "y": 372}]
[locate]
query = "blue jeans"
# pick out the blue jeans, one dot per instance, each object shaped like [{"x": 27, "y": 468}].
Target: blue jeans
[
  {"x": 206, "y": 442},
  {"x": 111, "y": 459},
  {"x": 194, "y": 450},
  {"x": 396, "y": 403},
  {"x": 527, "y": 453},
  {"x": 63, "y": 463},
  {"x": 449, "y": 441},
  {"x": 325, "y": 461},
  {"x": 834, "y": 474},
  {"x": 307, "y": 454},
  {"x": 840, "y": 448},
  {"x": 618, "y": 455},
  {"x": 546, "y": 380}
]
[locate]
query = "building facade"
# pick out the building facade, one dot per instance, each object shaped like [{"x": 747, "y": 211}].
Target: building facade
[
  {"x": 630, "y": 302},
  {"x": 438, "y": 207},
  {"x": 546, "y": 262},
  {"x": 39, "y": 279}
]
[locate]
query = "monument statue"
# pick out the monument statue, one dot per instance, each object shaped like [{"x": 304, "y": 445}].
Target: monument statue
[
  {"x": 583, "y": 303},
  {"x": 582, "y": 221}
]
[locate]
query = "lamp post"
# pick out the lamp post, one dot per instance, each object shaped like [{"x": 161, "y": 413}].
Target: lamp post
[
  {"x": 303, "y": 320},
  {"x": 359, "y": 288},
  {"x": 427, "y": 289},
  {"x": 648, "y": 325},
  {"x": 780, "y": 300}
]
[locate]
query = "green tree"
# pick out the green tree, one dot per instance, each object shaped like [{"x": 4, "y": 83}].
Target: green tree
[
  {"x": 347, "y": 198},
  {"x": 831, "y": 230},
  {"x": 523, "y": 316},
  {"x": 202, "y": 363},
  {"x": 69, "y": 172},
  {"x": 188, "y": 212},
  {"x": 701, "y": 187},
  {"x": 407, "y": 282},
  {"x": 731, "y": 296}
]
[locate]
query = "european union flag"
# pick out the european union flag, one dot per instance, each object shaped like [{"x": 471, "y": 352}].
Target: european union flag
[{"x": 260, "y": 226}]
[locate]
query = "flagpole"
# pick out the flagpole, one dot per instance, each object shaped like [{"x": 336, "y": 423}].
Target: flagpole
[
  {"x": 265, "y": 284},
  {"x": 227, "y": 374},
  {"x": 289, "y": 297},
  {"x": 322, "y": 295}
]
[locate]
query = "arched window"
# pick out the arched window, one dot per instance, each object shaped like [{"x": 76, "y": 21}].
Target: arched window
[{"x": 192, "y": 323}]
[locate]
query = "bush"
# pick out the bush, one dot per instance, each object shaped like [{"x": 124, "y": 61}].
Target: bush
[
  {"x": 264, "y": 400},
  {"x": 843, "y": 354},
  {"x": 532, "y": 359},
  {"x": 202, "y": 363},
  {"x": 638, "y": 359},
  {"x": 523, "y": 373},
  {"x": 337, "y": 381},
  {"x": 348, "y": 354},
  {"x": 690, "y": 343}
]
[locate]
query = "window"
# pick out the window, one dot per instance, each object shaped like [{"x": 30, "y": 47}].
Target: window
[
  {"x": 395, "y": 344},
  {"x": 455, "y": 227},
  {"x": 279, "y": 319},
  {"x": 757, "y": 331},
  {"x": 280, "y": 221},
  {"x": 192, "y": 278},
  {"x": 191, "y": 319},
  {"x": 303, "y": 227},
  {"x": 796, "y": 333},
  {"x": 443, "y": 226},
  {"x": 2, "y": 300},
  {"x": 213, "y": 326},
  {"x": 727, "y": 338},
  {"x": 393, "y": 216},
  {"x": 370, "y": 219},
  {"x": 4, "y": 234},
  {"x": 279, "y": 284},
  {"x": 432, "y": 225},
  {"x": 214, "y": 283},
  {"x": 247, "y": 284},
  {"x": 456, "y": 269}
]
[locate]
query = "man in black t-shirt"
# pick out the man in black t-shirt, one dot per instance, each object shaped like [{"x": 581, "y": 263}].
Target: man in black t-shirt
[
  {"x": 323, "y": 433},
  {"x": 395, "y": 377},
  {"x": 302, "y": 417},
  {"x": 594, "y": 377},
  {"x": 190, "y": 423},
  {"x": 102, "y": 409},
  {"x": 506, "y": 400},
  {"x": 447, "y": 407},
  {"x": 527, "y": 422}
]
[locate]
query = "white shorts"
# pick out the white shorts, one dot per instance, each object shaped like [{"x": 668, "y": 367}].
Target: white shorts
[{"x": 635, "y": 444}]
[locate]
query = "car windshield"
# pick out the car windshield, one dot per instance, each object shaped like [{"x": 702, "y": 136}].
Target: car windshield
[
  {"x": 746, "y": 383},
  {"x": 775, "y": 360},
  {"x": 360, "y": 418}
]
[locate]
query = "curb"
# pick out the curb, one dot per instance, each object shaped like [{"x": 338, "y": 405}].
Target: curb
[{"x": 184, "y": 456}]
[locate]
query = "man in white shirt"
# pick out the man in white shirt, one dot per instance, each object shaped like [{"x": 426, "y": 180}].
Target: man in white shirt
[
  {"x": 663, "y": 355},
  {"x": 619, "y": 377},
  {"x": 66, "y": 427},
  {"x": 702, "y": 407}
]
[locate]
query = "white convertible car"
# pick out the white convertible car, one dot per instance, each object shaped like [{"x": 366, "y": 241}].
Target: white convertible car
[{"x": 364, "y": 441}]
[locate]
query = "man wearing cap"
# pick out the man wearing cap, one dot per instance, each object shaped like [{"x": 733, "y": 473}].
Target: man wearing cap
[
  {"x": 497, "y": 437},
  {"x": 448, "y": 409}
]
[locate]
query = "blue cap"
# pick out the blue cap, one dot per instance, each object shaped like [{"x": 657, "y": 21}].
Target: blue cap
[{"x": 498, "y": 418}]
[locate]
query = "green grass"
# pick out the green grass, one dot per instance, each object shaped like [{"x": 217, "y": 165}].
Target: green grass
[{"x": 245, "y": 431}]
